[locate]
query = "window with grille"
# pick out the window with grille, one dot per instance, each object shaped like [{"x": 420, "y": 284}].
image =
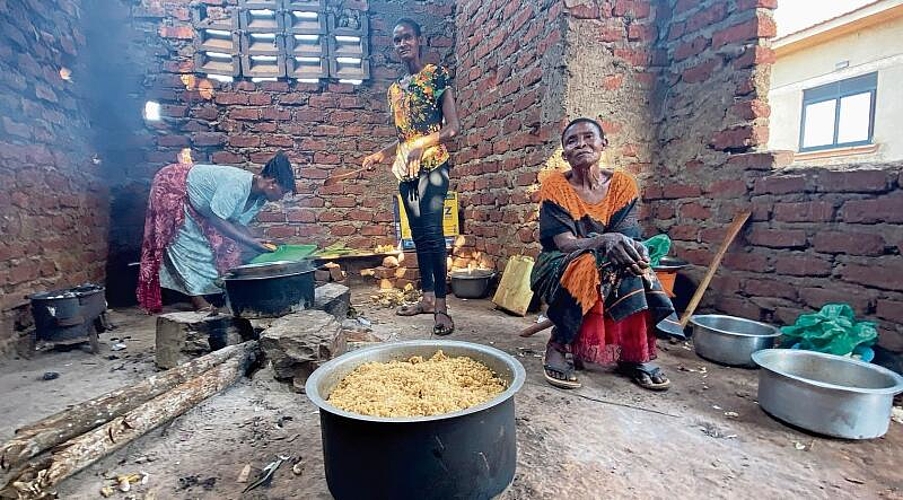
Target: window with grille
[
  {"x": 304, "y": 40},
  {"x": 839, "y": 114}
]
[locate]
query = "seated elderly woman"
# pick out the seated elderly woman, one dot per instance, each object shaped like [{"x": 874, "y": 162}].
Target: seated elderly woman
[
  {"x": 593, "y": 273},
  {"x": 197, "y": 217}
]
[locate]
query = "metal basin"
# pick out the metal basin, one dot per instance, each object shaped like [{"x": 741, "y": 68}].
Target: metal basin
[
  {"x": 472, "y": 284},
  {"x": 469, "y": 454},
  {"x": 730, "y": 340},
  {"x": 827, "y": 394}
]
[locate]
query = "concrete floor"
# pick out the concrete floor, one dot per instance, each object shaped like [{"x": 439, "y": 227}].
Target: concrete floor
[{"x": 706, "y": 438}]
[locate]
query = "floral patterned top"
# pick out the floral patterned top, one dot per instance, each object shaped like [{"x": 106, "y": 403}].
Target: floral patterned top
[{"x": 417, "y": 112}]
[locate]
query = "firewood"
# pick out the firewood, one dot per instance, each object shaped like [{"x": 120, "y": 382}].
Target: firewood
[
  {"x": 31, "y": 440},
  {"x": 38, "y": 478}
]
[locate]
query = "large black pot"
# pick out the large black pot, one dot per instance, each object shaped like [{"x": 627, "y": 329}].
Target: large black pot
[
  {"x": 254, "y": 293},
  {"x": 468, "y": 455}
]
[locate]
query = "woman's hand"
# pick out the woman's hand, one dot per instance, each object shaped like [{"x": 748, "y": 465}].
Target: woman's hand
[
  {"x": 625, "y": 252},
  {"x": 373, "y": 160},
  {"x": 264, "y": 246},
  {"x": 413, "y": 160}
]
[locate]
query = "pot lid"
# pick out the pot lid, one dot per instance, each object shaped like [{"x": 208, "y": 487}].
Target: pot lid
[{"x": 265, "y": 269}]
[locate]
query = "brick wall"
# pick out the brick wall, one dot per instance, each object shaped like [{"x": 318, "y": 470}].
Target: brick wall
[
  {"x": 511, "y": 98},
  {"x": 53, "y": 209},
  {"x": 324, "y": 128}
]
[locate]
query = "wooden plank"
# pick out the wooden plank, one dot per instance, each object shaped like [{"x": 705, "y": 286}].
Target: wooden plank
[
  {"x": 514, "y": 294},
  {"x": 732, "y": 232}
]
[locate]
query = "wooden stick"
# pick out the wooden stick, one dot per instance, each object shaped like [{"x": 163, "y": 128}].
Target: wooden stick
[
  {"x": 732, "y": 233},
  {"x": 534, "y": 329},
  {"x": 333, "y": 180},
  {"x": 36, "y": 479},
  {"x": 31, "y": 440}
]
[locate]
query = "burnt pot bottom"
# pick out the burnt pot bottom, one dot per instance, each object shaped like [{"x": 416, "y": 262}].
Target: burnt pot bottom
[{"x": 468, "y": 457}]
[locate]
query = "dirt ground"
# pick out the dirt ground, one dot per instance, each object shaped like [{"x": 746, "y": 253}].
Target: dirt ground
[{"x": 706, "y": 438}]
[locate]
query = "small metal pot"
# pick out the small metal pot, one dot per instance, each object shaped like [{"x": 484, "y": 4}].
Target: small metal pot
[
  {"x": 472, "y": 284},
  {"x": 827, "y": 394},
  {"x": 469, "y": 454},
  {"x": 730, "y": 340}
]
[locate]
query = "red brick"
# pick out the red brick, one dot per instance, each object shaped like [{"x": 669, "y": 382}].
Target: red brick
[
  {"x": 279, "y": 232},
  {"x": 890, "y": 310},
  {"x": 770, "y": 288},
  {"x": 740, "y": 307},
  {"x": 882, "y": 209},
  {"x": 275, "y": 114},
  {"x": 712, "y": 14},
  {"x": 802, "y": 265},
  {"x": 777, "y": 238},
  {"x": 694, "y": 210},
  {"x": 756, "y": 4},
  {"x": 761, "y": 26},
  {"x": 740, "y": 138},
  {"x": 761, "y": 161},
  {"x": 816, "y": 298},
  {"x": 584, "y": 11},
  {"x": 728, "y": 189},
  {"x": 344, "y": 202},
  {"x": 244, "y": 141},
  {"x": 639, "y": 32},
  {"x": 636, "y": 57},
  {"x": 691, "y": 48},
  {"x": 209, "y": 138},
  {"x": 852, "y": 243},
  {"x": 755, "y": 56},
  {"x": 746, "y": 261},
  {"x": 330, "y": 216},
  {"x": 676, "y": 191},
  {"x": 700, "y": 72},
  {"x": 301, "y": 215},
  {"x": 854, "y": 181},
  {"x": 278, "y": 140},
  {"x": 781, "y": 185},
  {"x": 259, "y": 99},
  {"x": 227, "y": 158},
  {"x": 684, "y": 232},
  {"x": 751, "y": 110},
  {"x": 810, "y": 211},
  {"x": 612, "y": 82},
  {"x": 882, "y": 272},
  {"x": 172, "y": 141},
  {"x": 271, "y": 216},
  {"x": 177, "y": 32},
  {"x": 312, "y": 173},
  {"x": 342, "y": 231},
  {"x": 250, "y": 114},
  {"x": 638, "y": 8}
]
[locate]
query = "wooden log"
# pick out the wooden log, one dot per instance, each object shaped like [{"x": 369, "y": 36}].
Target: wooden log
[
  {"x": 31, "y": 440},
  {"x": 38, "y": 478}
]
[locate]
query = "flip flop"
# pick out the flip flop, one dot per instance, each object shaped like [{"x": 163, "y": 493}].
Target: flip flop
[
  {"x": 412, "y": 310},
  {"x": 570, "y": 381},
  {"x": 644, "y": 375},
  {"x": 441, "y": 330}
]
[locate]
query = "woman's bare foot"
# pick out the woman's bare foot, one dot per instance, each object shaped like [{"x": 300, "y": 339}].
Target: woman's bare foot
[{"x": 200, "y": 304}]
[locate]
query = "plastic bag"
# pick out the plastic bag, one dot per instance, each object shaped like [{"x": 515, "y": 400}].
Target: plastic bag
[
  {"x": 658, "y": 247},
  {"x": 832, "y": 330}
]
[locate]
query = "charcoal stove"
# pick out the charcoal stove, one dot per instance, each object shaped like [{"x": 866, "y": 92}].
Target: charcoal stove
[{"x": 70, "y": 315}]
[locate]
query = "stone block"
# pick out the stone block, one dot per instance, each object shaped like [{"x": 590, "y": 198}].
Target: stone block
[
  {"x": 183, "y": 336},
  {"x": 298, "y": 344},
  {"x": 334, "y": 299}
]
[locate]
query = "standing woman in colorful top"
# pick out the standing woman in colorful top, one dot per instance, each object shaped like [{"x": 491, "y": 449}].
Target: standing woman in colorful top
[{"x": 423, "y": 109}]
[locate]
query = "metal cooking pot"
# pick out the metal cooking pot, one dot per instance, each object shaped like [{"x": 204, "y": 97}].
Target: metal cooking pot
[
  {"x": 827, "y": 394},
  {"x": 268, "y": 291},
  {"x": 270, "y": 269},
  {"x": 468, "y": 454},
  {"x": 471, "y": 284},
  {"x": 730, "y": 340}
]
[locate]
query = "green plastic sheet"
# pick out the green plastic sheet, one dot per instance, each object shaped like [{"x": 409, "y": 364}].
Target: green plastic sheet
[
  {"x": 832, "y": 330},
  {"x": 291, "y": 253},
  {"x": 658, "y": 247}
]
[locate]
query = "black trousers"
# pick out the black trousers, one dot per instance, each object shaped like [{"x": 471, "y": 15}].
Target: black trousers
[{"x": 423, "y": 199}]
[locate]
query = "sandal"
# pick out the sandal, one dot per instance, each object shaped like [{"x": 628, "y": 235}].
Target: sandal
[
  {"x": 441, "y": 330},
  {"x": 569, "y": 379},
  {"x": 412, "y": 310},
  {"x": 644, "y": 375}
]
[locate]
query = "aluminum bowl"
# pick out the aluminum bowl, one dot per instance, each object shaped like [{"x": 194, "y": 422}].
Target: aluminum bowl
[
  {"x": 470, "y": 453},
  {"x": 730, "y": 340},
  {"x": 827, "y": 394}
]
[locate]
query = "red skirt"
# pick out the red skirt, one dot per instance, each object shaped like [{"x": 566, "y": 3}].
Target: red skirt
[{"x": 603, "y": 341}]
